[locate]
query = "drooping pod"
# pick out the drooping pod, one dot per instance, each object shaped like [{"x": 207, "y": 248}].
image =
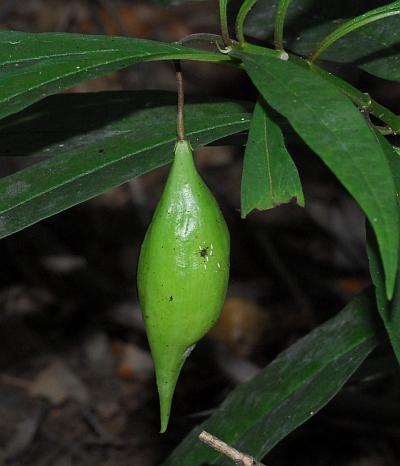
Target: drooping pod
[{"x": 183, "y": 272}]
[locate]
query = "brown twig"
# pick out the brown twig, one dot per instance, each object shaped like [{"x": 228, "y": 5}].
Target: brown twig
[
  {"x": 236, "y": 456},
  {"x": 180, "y": 123}
]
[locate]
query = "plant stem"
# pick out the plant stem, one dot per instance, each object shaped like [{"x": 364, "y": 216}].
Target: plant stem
[
  {"x": 384, "y": 130},
  {"x": 240, "y": 18},
  {"x": 223, "y": 18},
  {"x": 279, "y": 23},
  {"x": 236, "y": 456},
  {"x": 238, "y": 50},
  {"x": 362, "y": 100},
  {"x": 180, "y": 122}
]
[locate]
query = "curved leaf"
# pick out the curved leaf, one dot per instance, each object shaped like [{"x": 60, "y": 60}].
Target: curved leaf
[
  {"x": 389, "y": 310},
  {"x": 299, "y": 382},
  {"x": 33, "y": 66},
  {"x": 138, "y": 139},
  {"x": 301, "y": 15},
  {"x": 334, "y": 129},
  {"x": 355, "y": 23},
  {"x": 269, "y": 175},
  {"x": 375, "y": 48}
]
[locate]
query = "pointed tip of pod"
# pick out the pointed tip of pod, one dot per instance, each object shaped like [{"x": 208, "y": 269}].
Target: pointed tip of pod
[
  {"x": 165, "y": 411},
  {"x": 168, "y": 368},
  {"x": 166, "y": 388}
]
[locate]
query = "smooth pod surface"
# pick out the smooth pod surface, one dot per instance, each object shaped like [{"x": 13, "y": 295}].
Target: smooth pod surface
[{"x": 183, "y": 272}]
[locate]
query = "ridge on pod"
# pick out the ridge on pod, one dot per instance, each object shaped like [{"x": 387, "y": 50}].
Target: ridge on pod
[{"x": 183, "y": 272}]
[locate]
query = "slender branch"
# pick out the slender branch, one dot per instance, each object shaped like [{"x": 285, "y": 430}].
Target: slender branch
[
  {"x": 247, "y": 5},
  {"x": 180, "y": 118},
  {"x": 362, "y": 100},
  {"x": 223, "y": 18},
  {"x": 236, "y": 456},
  {"x": 280, "y": 22}
]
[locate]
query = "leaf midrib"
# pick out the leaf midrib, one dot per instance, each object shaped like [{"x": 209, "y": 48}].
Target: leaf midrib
[
  {"x": 340, "y": 143},
  {"x": 104, "y": 165},
  {"x": 303, "y": 382}
]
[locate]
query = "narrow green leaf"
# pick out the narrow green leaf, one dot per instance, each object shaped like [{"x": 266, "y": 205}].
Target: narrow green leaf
[
  {"x": 374, "y": 47},
  {"x": 334, "y": 129},
  {"x": 269, "y": 175},
  {"x": 138, "y": 139},
  {"x": 283, "y": 6},
  {"x": 389, "y": 310},
  {"x": 33, "y": 66},
  {"x": 355, "y": 23},
  {"x": 64, "y": 122},
  {"x": 299, "y": 382},
  {"x": 302, "y": 15}
]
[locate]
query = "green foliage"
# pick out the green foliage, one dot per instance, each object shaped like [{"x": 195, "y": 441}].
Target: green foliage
[
  {"x": 282, "y": 8},
  {"x": 298, "y": 383},
  {"x": 34, "y": 66},
  {"x": 356, "y": 23},
  {"x": 389, "y": 310},
  {"x": 330, "y": 124},
  {"x": 269, "y": 175},
  {"x": 84, "y": 145},
  {"x": 118, "y": 146},
  {"x": 374, "y": 47}
]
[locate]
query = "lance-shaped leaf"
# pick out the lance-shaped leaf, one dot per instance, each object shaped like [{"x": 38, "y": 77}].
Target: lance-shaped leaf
[
  {"x": 299, "y": 382},
  {"x": 33, "y": 66},
  {"x": 269, "y": 175},
  {"x": 84, "y": 165},
  {"x": 302, "y": 14},
  {"x": 334, "y": 129},
  {"x": 389, "y": 310},
  {"x": 371, "y": 16},
  {"x": 373, "y": 47}
]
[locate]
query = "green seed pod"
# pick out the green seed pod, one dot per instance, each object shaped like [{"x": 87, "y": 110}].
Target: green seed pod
[{"x": 183, "y": 272}]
